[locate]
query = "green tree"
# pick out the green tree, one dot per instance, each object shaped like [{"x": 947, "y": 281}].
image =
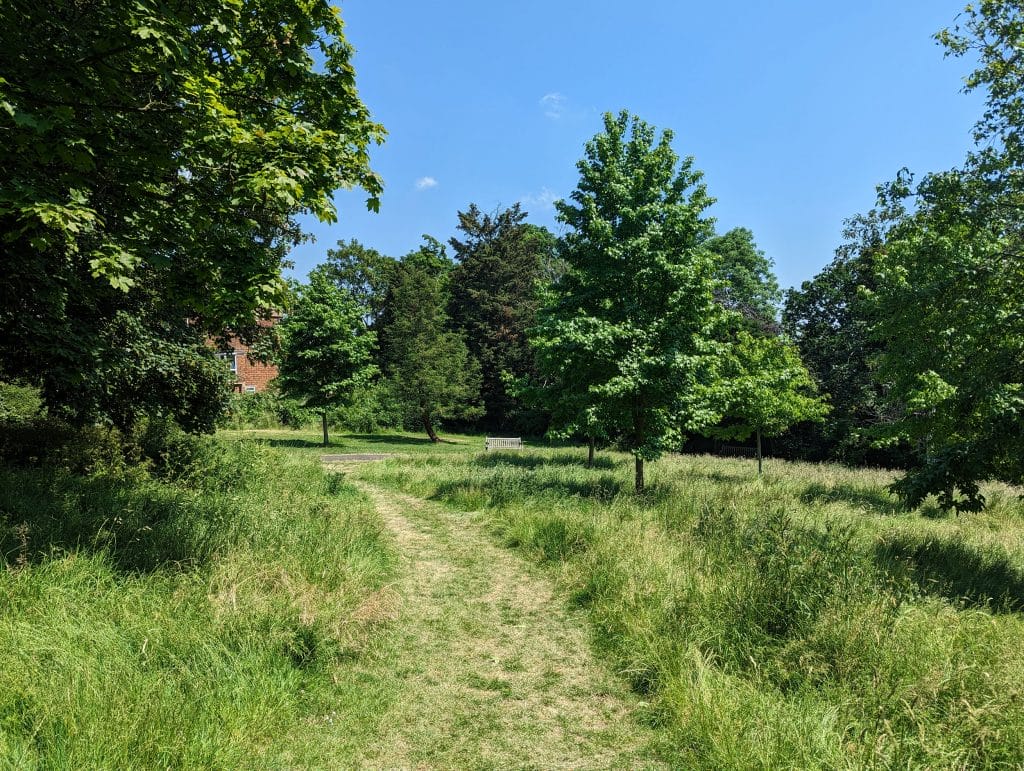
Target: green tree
[
  {"x": 363, "y": 272},
  {"x": 948, "y": 305},
  {"x": 494, "y": 301},
  {"x": 830, "y": 321},
  {"x": 950, "y": 286},
  {"x": 326, "y": 350},
  {"x": 747, "y": 284},
  {"x": 769, "y": 389},
  {"x": 427, "y": 364},
  {"x": 156, "y": 157},
  {"x": 632, "y": 317}
]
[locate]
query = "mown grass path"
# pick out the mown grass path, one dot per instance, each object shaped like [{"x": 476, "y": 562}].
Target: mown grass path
[{"x": 496, "y": 671}]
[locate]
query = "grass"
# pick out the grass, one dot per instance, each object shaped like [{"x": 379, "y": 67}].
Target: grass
[
  {"x": 224, "y": 618},
  {"x": 798, "y": 620},
  {"x": 243, "y": 613}
]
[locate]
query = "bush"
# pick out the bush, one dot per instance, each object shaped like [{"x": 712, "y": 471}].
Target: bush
[
  {"x": 19, "y": 402},
  {"x": 51, "y": 442},
  {"x": 266, "y": 409}
]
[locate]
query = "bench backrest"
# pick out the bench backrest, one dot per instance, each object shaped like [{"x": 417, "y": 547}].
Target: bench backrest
[{"x": 499, "y": 443}]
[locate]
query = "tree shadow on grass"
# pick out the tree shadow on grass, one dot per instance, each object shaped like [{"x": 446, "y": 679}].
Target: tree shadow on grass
[
  {"x": 958, "y": 571},
  {"x": 502, "y": 491},
  {"x": 533, "y": 460},
  {"x": 394, "y": 439},
  {"x": 295, "y": 443},
  {"x": 366, "y": 438},
  {"x": 139, "y": 528},
  {"x": 875, "y": 501}
]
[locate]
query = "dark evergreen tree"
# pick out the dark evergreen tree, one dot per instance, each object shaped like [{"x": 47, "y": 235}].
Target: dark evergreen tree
[
  {"x": 494, "y": 301},
  {"x": 427, "y": 364}
]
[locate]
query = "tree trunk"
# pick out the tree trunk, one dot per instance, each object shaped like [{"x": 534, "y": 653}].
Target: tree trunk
[
  {"x": 590, "y": 452},
  {"x": 429, "y": 428},
  {"x": 759, "y": 452},
  {"x": 323, "y": 418},
  {"x": 639, "y": 474}
]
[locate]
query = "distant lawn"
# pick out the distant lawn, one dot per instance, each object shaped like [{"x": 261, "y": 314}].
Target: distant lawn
[{"x": 404, "y": 442}]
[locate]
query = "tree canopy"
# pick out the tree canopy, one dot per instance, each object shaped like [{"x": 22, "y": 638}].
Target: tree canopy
[
  {"x": 747, "y": 284},
  {"x": 428, "y": 366},
  {"x": 830, "y": 320},
  {"x": 950, "y": 286},
  {"x": 326, "y": 350},
  {"x": 362, "y": 272},
  {"x": 155, "y": 159},
  {"x": 768, "y": 389},
  {"x": 494, "y": 301},
  {"x": 632, "y": 316}
]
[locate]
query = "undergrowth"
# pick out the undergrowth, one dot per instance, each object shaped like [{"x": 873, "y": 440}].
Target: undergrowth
[{"x": 203, "y": 604}]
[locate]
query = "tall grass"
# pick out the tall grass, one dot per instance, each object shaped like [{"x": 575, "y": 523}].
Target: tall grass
[
  {"x": 211, "y": 613},
  {"x": 800, "y": 620}
]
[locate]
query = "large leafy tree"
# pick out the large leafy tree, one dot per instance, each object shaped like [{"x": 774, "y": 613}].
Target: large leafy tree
[
  {"x": 326, "y": 351},
  {"x": 631, "y": 320},
  {"x": 427, "y": 364},
  {"x": 950, "y": 286},
  {"x": 155, "y": 157},
  {"x": 948, "y": 301},
  {"x": 363, "y": 272},
  {"x": 830, "y": 320},
  {"x": 747, "y": 284},
  {"x": 494, "y": 300}
]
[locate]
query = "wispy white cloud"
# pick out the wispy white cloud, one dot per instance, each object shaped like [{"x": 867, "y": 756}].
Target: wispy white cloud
[
  {"x": 425, "y": 183},
  {"x": 540, "y": 201},
  {"x": 553, "y": 104}
]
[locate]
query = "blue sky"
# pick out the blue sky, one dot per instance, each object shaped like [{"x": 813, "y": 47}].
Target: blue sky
[{"x": 794, "y": 109}]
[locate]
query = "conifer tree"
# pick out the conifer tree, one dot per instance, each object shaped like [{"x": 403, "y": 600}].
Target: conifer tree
[
  {"x": 428, "y": 366},
  {"x": 494, "y": 300}
]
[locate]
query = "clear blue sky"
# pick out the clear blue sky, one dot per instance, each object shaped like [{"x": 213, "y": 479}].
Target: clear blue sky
[{"x": 794, "y": 109}]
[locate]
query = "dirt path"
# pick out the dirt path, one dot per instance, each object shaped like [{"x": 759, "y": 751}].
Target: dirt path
[{"x": 496, "y": 672}]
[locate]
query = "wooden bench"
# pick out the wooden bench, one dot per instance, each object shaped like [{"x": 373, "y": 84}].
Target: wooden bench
[
  {"x": 736, "y": 449},
  {"x": 498, "y": 443}
]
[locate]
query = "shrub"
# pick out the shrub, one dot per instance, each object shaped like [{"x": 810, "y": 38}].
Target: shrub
[{"x": 19, "y": 402}]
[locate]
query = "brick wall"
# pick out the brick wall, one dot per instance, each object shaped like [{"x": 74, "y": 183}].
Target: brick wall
[{"x": 250, "y": 376}]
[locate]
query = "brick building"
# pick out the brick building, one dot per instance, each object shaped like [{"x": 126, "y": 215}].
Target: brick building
[{"x": 250, "y": 376}]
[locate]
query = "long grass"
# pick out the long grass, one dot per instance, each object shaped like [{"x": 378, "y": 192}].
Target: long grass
[
  {"x": 800, "y": 620},
  {"x": 220, "y": 616}
]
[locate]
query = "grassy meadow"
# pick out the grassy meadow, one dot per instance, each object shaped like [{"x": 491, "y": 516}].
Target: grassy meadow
[
  {"x": 218, "y": 613},
  {"x": 797, "y": 620},
  {"x": 238, "y": 610}
]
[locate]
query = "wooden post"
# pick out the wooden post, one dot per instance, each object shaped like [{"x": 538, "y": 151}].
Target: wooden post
[
  {"x": 759, "y": 452},
  {"x": 639, "y": 474},
  {"x": 323, "y": 417},
  {"x": 590, "y": 452}
]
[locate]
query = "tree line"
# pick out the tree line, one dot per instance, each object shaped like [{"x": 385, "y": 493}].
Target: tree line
[
  {"x": 157, "y": 158},
  {"x": 639, "y": 326}
]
